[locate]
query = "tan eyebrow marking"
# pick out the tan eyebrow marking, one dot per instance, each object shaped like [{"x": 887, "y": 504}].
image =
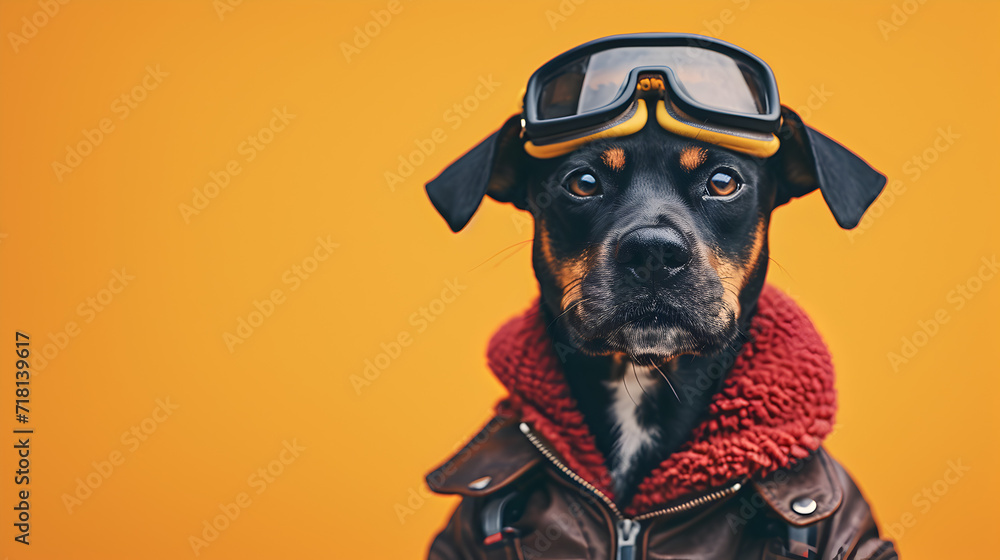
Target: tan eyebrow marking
[
  {"x": 614, "y": 158},
  {"x": 692, "y": 157}
]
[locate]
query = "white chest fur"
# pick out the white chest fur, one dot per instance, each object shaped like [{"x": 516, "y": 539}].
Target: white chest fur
[{"x": 630, "y": 435}]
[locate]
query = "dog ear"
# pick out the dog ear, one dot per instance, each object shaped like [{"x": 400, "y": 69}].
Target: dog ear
[
  {"x": 490, "y": 168},
  {"x": 809, "y": 160}
]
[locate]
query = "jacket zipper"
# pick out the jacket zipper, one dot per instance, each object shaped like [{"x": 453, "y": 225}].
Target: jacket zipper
[
  {"x": 626, "y": 528},
  {"x": 628, "y": 533}
]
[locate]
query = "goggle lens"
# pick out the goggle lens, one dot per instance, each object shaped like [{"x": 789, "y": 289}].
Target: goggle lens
[{"x": 709, "y": 78}]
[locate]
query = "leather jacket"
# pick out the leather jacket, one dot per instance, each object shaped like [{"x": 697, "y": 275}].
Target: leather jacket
[{"x": 520, "y": 501}]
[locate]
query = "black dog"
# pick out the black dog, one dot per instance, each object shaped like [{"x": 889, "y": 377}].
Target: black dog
[{"x": 651, "y": 251}]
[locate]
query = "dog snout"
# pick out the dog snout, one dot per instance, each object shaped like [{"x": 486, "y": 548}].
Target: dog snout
[{"x": 653, "y": 254}]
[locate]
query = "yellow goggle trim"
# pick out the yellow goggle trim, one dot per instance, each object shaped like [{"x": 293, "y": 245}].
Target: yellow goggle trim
[
  {"x": 631, "y": 126},
  {"x": 758, "y": 147},
  {"x": 752, "y": 146}
]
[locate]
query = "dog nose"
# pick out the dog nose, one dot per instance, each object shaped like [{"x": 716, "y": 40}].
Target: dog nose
[{"x": 653, "y": 253}]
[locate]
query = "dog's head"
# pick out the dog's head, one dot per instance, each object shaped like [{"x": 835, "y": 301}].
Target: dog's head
[{"x": 653, "y": 245}]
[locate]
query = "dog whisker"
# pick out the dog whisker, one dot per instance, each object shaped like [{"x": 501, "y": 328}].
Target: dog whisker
[
  {"x": 637, "y": 380},
  {"x": 627, "y": 392},
  {"x": 783, "y": 269},
  {"x": 567, "y": 310},
  {"x": 518, "y": 245},
  {"x": 669, "y": 384},
  {"x": 512, "y": 253},
  {"x": 619, "y": 329}
]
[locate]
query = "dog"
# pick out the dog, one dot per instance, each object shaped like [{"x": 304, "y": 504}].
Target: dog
[{"x": 650, "y": 252}]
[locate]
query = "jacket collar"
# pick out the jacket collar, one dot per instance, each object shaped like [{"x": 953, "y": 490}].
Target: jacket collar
[
  {"x": 776, "y": 405},
  {"x": 499, "y": 455}
]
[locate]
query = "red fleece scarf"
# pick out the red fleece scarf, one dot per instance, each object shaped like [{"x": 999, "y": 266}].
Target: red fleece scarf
[{"x": 776, "y": 405}]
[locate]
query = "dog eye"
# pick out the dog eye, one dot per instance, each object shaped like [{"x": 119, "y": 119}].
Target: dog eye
[
  {"x": 583, "y": 184},
  {"x": 724, "y": 182}
]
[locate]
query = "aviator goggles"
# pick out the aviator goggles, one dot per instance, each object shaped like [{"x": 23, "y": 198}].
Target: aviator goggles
[{"x": 703, "y": 88}]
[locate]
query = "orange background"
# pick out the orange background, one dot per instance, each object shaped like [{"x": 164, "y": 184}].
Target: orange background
[{"x": 888, "y": 92}]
